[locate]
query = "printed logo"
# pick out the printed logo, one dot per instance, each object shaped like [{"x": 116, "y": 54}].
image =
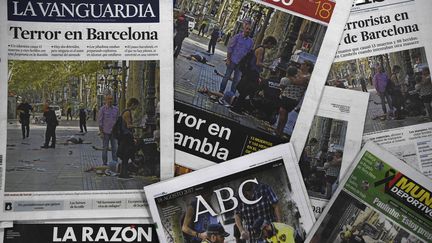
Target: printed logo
[{"x": 8, "y": 206}]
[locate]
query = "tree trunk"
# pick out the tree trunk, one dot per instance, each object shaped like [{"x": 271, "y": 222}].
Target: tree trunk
[
  {"x": 260, "y": 35},
  {"x": 278, "y": 29},
  {"x": 123, "y": 86},
  {"x": 135, "y": 87},
  {"x": 326, "y": 134}
]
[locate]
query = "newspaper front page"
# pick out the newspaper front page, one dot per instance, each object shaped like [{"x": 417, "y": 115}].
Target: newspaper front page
[
  {"x": 332, "y": 142},
  {"x": 96, "y": 230},
  {"x": 380, "y": 199},
  {"x": 385, "y": 51},
  {"x": 240, "y": 199},
  {"x": 69, "y": 70},
  {"x": 228, "y": 103}
]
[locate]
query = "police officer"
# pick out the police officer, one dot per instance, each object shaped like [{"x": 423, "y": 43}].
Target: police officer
[
  {"x": 215, "y": 234},
  {"x": 274, "y": 232}
]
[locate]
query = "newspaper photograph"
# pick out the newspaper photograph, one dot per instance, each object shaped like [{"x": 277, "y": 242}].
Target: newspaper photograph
[
  {"x": 243, "y": 69},
  {"x": 97, "y": 230},
  {"x": 380, "y": 199},
  {"x": 87, "y": 89},
  {"x": 254, "y": 198},
  {"x": 332, "y": 143},
  {"x": 385, "y": 51}
]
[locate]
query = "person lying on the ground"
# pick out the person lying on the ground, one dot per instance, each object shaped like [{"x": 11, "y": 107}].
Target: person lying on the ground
[
  {"x": 197, "y": 57},
  {"x": 109, "y": 170},
  {"x": 205, "y": 90},
  {"x": 74, "y": 140}
]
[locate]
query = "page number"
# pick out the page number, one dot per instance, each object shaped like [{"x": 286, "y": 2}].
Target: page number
[{"x": 323, "y": 9}]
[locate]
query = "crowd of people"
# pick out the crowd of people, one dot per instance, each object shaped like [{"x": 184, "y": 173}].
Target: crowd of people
[
  {"x": 395, "y": 95},
  {"x": 123, "y": 144},
  {"x": 249, "y": 93},
  {"x": 399, "y": 96}
]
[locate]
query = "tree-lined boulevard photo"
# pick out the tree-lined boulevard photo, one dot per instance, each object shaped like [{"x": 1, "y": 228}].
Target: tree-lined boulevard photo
[{"x": 82, "y": 125}]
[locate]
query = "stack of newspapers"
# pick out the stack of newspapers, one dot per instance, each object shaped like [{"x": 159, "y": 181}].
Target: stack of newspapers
[{"x": 216, "y": 121}]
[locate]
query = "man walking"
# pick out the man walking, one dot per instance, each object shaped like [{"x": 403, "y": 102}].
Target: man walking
[
  {"x": 214, "y": 38},
  {"x": 24, "y": 118},
  {"x": 69, "y": 112},
  {"x": 238, "y": 47},
  {"x": 182, "y": 31},
  {"x": 202, "y": 28},
  {"x": 83, "y": 119},
  {"x": 363, "y": 83},
  {"x": 107, "y": 117}
]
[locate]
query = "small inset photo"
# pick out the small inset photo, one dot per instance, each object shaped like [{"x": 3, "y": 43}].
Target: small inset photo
[
  {"x": 399, "y": 85},
  {"x": 321, "y": 160}
]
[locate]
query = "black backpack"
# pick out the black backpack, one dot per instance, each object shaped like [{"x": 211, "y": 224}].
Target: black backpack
[
  {"x": 246, "y": 61},
  {"x": 119, "y": 127}
]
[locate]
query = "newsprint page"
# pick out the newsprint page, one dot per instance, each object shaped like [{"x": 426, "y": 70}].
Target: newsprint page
[
  {"x": 386, "y": 50},
  {"x": 69, "y": 70},
  {"x": 237, "y": 199},
  {"x": 225, "y": 105},
  {"x": 380, "y": 199},
  {"x": 332, "y": 143}
]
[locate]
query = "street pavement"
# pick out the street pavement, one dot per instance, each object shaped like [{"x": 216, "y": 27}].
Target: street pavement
[
  {"x": 31, "y": 168},
  {"x": 191, "y": 76},
  {"x": 374, "y": 124}
]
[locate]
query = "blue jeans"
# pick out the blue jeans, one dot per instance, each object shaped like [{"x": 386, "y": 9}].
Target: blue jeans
[
  {"x": 229, "y": 70},
  {"x": 386, "y": 96},
  {"x": 107, "y": 138}
]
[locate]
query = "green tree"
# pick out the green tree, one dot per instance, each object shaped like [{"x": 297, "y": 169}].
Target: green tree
[{"x": 41, "y": 80}]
